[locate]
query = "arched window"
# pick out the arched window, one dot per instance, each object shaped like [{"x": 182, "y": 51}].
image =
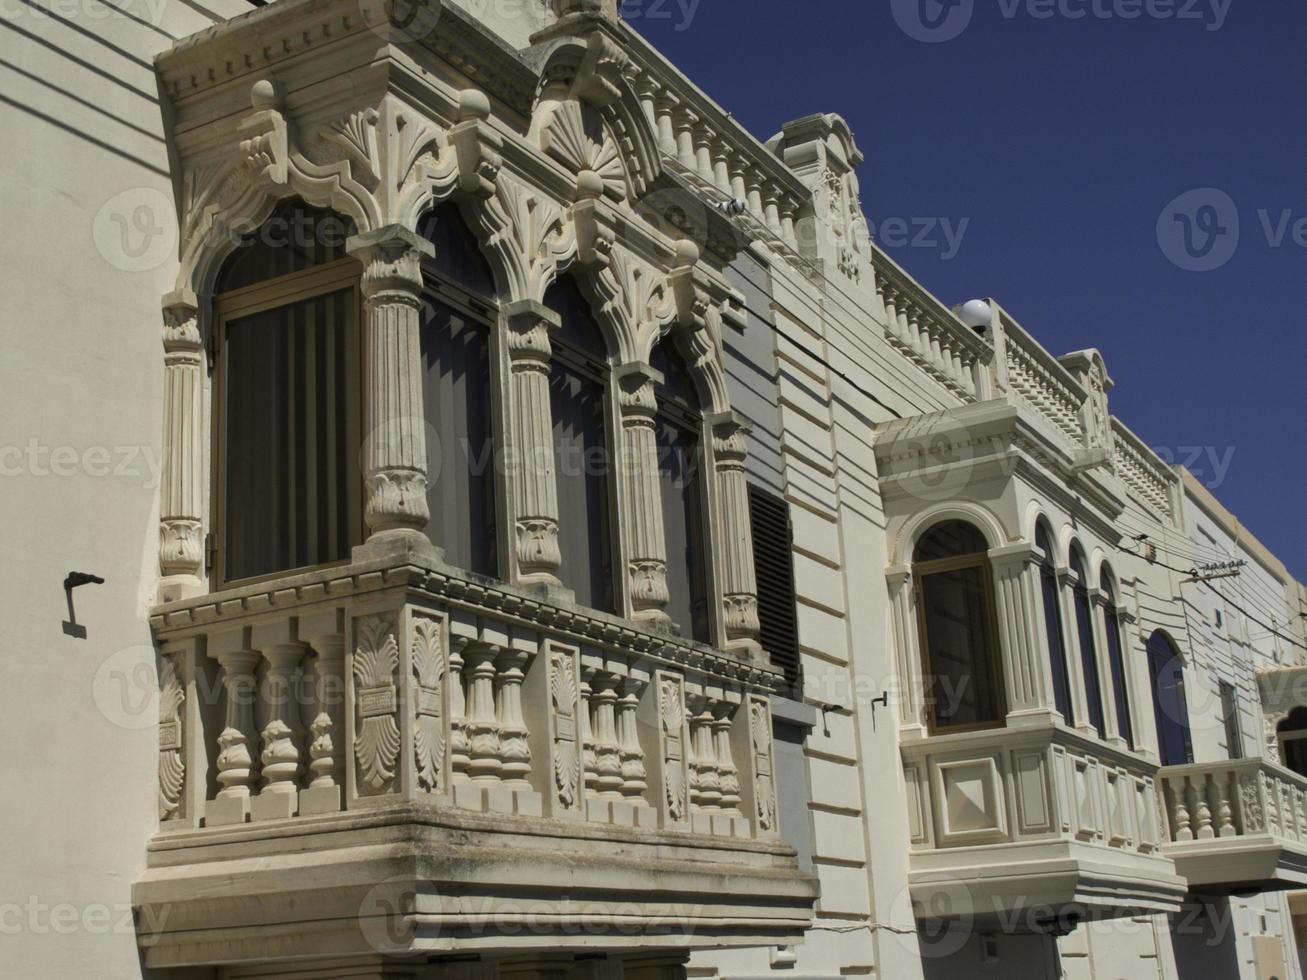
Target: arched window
[
  {"x": 955, "y": 609},
  {"x": 1053, "y": 627},
  {"x": 1088, "y": 648},
  {"x": 1292, "y": 734},
  {"x": 458, "y": 317},
  {"x": 1116, "y": 660},
  {"x": 578, "y": 391},
  {"x": 1170, "y": 708},
  {"x": 680, "y": 472},
  {"x": 286, "y": 415}
]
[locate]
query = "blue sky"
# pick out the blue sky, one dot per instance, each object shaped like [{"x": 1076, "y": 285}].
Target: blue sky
[{"x": 1062, "y": 143}]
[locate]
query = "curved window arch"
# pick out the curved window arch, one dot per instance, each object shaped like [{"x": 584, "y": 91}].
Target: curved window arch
[
  {"x": 1088, "y": 647},
  {"x": 1116, "y": 659},
  {"x": 679, "y": 431},
  {"x": 1292, "y": 735},
  {"x": 956, "y": 620},
  {"x": 288, "y": 492},
  {"x": 458, "y": 318},
  {"x": 1053, "y": 626},
  {"x": 1170, "y": 706},
  {"x": 578, "y": 391}
]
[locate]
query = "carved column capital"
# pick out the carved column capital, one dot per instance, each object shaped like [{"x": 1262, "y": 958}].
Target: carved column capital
[
  {"x": 636, "y": 384},
  {"x": 392, "y": 260},
  {"x": 181, "y": 322},
  {"x": 181, "y": 490},
  {"x": 530, "y": 324}
]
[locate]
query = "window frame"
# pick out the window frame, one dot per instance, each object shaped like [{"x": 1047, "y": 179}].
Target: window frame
[
  {"x": 920, "y": 571},
  {"x": 1078, "y": 571},
  {"x": 1053, "y": 617},
  {"x": 344, "y": 274}
]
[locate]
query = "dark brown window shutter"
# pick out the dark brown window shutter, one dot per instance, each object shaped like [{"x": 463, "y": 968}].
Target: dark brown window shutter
[{"x": 773, "y": 550}]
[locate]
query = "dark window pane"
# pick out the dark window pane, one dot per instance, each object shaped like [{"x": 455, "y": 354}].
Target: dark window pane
[
  {"x": 963, "y": 688},
  {"x": 458, "y": 254},
  {"x": 1116, "y": 661},
  {"x": 951, "y": 539},
  {"x": 288, "y": 451},
  {"x": 1170, "y": 707},
  {"x": 456, "y": 393},
  {"x": 679, "y": 477},
  {"x": 1057, "y": 644},
  {"x": 295, "y": 238},
  {"x": 582, "y": 465},
  {"x": 1230, "y": 716}
]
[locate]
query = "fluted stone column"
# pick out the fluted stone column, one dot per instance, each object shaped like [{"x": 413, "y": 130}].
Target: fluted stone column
[
  {"x": 734, "y": 539},
  {"x": 535, "y": 482},
  {"x": 181, "y": 489},
  {"x": 642, "y": 523},
  {"x": 394, "y": 448},
  {"x": 1027, "y": 674}
]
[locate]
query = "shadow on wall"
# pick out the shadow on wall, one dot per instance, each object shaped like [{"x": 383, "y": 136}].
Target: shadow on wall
[
  {"x": 1203, "y": 938},
  {"x": 962, "y": 951}
]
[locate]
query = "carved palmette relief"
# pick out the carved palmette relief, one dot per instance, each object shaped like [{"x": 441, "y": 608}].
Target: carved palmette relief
[
  {"x": 429, "y": 729},
  {"x": 376, "y": 732},
  {"x": 671, "y": 711},
  {"x": 764, "y": 789},
  {"x": 565, "y": 699},
  {"x": 172, "y": 769}
]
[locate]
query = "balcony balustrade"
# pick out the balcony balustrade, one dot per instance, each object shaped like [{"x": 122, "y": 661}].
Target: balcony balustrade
[
  {"x": 513, "y": 769},
  {"x": 1237, "y": 826}
]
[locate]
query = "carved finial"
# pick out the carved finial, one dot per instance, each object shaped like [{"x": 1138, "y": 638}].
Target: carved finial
[
  {"x": 266, "y": 94},
  {"x": 473, "y": 104},
  {"x": 687, "y": 254}
]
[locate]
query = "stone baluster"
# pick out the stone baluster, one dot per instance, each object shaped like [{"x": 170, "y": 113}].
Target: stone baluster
[
  {"x": 531, "y": 431},
  {"x": 754, "y": 187},
  {"x": 635, "y": 779},
  {"x": 1203, "y": 810},
  {"x": 181, "y": 480},
  {"x": 327, "y": 746},
  {"x": 705, "y": 780},
  {"x": 686, "y": 121},
  {"x": 721, "y": 165},
  {"x": 237, "y": 759},
  {"x": 771, "y": 206},
  {"x": 739, "y": 170},
  {"x": 607, "y": 747},
  {"x": 703, "y": 163},
  {"x": 646, "y": 546},
  {"x": 460, "y": 758},
  {"x": 394, "y": 447},
  {"x": 734, "y": 536},
  {"x": 646, "y": 90},
  {"x": 588, "y": 758},
  {"x": 514, "y": 744},
  {"x": 483, "y": 736},
  {"x": 666, "y": 108},
  {"x": 722, "y": 722},
  {"x": 1226, "y": 785},
  {"x": 787, "y": 225},
  {"x": 1182, "y": 822},
  {"x": 281, "y": 735}
]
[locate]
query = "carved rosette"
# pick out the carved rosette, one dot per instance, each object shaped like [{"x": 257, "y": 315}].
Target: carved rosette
[
  {"x": 172, "y": 768},
  {"x": 671, "y": 711},
  {"x": 764, "y": 789},
  {"x": 394, "y": 448},
  {"x": 734, "y": 535},
  {"x": 646, "y": 546},
  {"x": 429, "y": 729},
  {"x": 531, "y": 421},
  {"x": 565, "y": 697},
  {"x": 181, "y": 490},
  {"x": 376, "y": 725}
]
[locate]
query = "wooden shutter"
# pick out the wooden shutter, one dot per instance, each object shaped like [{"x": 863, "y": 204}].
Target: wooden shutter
[{"x": 773, "y": 549}]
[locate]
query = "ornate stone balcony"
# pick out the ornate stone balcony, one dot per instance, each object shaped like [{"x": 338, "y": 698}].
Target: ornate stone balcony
[
  {"x": 1042, "y": 827},
  {"x": 389, "y": 758},
  {"x": 1236, "y": 826}
]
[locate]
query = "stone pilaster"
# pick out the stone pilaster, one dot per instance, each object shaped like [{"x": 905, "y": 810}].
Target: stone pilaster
[
  {"x": 907, "y": 652},
  {"x": 535, "y": 483},
  {"x": 642, "y": 513},
  {"x": 1027, "y": 674},
  {"x": 734, "y": 539},
  {"x": 181, "y": 488},
  {"x": 394, "y": 451}
]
